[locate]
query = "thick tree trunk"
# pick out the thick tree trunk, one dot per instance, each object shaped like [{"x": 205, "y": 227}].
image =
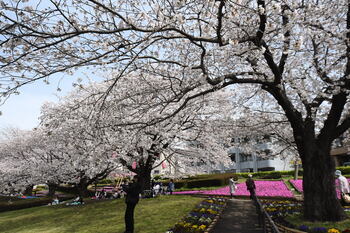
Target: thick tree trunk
[
  {"x": 320, "y": 200},
  {"x": 82, "y": 188},
  {"x": 52, "y": 189},
  {"x": 28, "y": 191},
  {"x": 145, "y": 178}
]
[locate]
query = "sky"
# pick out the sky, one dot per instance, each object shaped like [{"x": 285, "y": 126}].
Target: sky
[{"x": 22, "y": 111}]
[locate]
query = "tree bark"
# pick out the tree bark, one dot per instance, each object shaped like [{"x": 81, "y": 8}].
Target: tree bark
[
  {"x": 145, "y": 178},
  {"x": 320, "y": 200},
  {"x": 28, "y": 191},
  {"x": 52, "y": 189},
  {"x": 82, "y": 188}
]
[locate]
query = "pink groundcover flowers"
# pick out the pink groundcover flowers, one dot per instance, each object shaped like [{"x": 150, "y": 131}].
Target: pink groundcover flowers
[
  {"x": 263, "y": 189},
  {"x": 298, "y": 185}
]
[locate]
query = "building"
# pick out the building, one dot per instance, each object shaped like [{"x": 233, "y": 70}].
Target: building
[
  {"x": 341, "y": 152},
  {"x": 254, "y": 161},
  {"x": 187, "y": 162}
]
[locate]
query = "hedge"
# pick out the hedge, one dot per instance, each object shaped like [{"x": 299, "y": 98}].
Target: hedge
[
  {"x": 208, "y": 180},
  {"x": 28, "y": 203}
]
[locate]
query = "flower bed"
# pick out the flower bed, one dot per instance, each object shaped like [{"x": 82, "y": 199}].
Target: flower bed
[
  {"x": 279, "y": 209},
  {"x": 263, "y": 189},
  {"x": 202, "y": 218},
  {"x": 298, "y": 185}
]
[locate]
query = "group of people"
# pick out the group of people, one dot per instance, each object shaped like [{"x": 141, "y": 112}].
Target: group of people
[
  {"x": 104, "y": 194},
  {"x": 158, "y": 188}
]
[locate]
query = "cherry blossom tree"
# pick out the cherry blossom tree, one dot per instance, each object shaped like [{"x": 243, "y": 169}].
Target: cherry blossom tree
[
  {"x": 84, "y": 154},
  {"x": 54, "y": 156},
  {"x": 295, "y": 50},
  {"x": 19, "y": 166},
  {"x": 131, "y": 121}
]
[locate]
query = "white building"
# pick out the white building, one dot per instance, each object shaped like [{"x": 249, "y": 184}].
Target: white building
[
  {"x": 253, "y": 162},
  {"x": 187, "y": 162}
]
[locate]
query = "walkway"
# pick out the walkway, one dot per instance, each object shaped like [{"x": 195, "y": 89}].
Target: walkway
[{"x": 238, "y": 217}]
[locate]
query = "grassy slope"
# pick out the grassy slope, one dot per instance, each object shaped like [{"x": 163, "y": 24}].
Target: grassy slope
[{"x": 151, "y": 216}]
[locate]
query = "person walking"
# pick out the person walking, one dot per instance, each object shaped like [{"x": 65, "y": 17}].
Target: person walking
[
  {"x": 171, "y": 187},
  {"x": 232, "y": 185},
  {"x": 133, "y": 191},
  {"x": 250, "y": 185}
]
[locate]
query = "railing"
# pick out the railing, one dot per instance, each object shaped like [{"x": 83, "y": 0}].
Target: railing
[{"x": 265, "y": 220}]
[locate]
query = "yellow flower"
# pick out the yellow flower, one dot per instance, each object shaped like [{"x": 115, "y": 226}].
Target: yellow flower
[
  {"x": 202, "y": 227},
  {"x": 187, "y": 225},
  {"x": 195, "y": 226},
  {"x": 333, "y": 230}
]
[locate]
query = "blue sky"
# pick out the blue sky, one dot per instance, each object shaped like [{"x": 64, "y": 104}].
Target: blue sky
[{"x": 22, "y": 111}]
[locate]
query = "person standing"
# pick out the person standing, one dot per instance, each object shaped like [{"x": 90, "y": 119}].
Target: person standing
[
  {"x": 171, "y": 186},
  {"x": 250, "y": 186},
  {"x": 133, "y": 191},
  {"x": 342, "y": 184},
  {"x": 232, "y": 185}
]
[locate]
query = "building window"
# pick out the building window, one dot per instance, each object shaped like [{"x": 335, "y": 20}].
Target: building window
[
  {"x": 233, "y": 157},
  {"x": 246, "y": 157}
]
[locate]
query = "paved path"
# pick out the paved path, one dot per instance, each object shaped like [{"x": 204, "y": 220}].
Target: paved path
[{"x": 238, "y": 217}]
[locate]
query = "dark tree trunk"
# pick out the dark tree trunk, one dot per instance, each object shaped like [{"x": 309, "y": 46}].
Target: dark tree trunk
[
  {"x": 82, "y": 188},
  {"x": 28, "y": 191},
  {"x": 320, "y": 200},
  {"x": 145, "y": 178},
  {"x": 52, "y": 189}
]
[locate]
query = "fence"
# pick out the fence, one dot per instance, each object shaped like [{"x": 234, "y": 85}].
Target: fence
[{"x": 265, "y": 220}]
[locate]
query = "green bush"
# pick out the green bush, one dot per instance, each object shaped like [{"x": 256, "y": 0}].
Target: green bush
[
  {"x": 344, "y": 170},
  {"x": 157, "y": 177},
  {"x": 106, "y": 181},
  {"x": 28, "y": 203},
  {"x": 205, "y": 183}
]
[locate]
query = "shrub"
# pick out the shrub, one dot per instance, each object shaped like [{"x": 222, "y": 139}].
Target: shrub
[
  {"x": 344, "y": 170},
  {"x": 28, "y": 203},
  {"x": 205, "y": 183},
  {"x": 106, "y": 181},
  {"x": 157, "y": 177}
]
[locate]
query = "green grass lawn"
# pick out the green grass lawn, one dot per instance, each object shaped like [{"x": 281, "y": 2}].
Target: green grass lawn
[{"x": 154, "y": 215}]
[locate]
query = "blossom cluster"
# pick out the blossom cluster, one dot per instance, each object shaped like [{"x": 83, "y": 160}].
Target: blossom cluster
[{"x": 200, "y": 218}]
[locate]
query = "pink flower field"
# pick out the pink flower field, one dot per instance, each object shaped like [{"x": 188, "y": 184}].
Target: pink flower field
[
  {"x": 298, "y": 185},
  {"x": 263, "y": 189}
]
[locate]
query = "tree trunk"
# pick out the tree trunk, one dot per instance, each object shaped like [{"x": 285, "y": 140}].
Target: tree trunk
[
  {"x": 145, "y": 178},
  {"x": 52, "y": 189},
  {"x": 320, "y": 200},
  {"x": 28, "y": 191},
  {"x": 296, "y": 170},
  {"x": 82, "y": 188}
]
